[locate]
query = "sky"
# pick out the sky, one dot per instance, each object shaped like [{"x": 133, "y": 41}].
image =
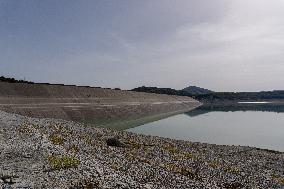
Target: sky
[{"x": 222, "y": 45}]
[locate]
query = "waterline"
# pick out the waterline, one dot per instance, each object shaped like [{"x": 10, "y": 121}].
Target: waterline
[{"x": 254, "y": 102}]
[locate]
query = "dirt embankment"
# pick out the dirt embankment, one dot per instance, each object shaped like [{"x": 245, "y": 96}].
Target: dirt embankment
[{"x": 91, "y": 105}]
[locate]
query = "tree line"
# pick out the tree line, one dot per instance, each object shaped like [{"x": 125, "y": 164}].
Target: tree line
[{"x": 217, "y": 96}]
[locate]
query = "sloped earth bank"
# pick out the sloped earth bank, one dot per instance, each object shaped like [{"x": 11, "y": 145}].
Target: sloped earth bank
[
  {"x": 102, "y": 107},
  {"x": 49, "y": 153},
  {"x": 118, "y": 114}
]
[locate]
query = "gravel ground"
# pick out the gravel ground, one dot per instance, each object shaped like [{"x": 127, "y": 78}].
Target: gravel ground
[{"x": 49, "y": 153}]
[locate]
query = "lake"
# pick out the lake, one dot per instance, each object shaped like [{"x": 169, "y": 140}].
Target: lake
[{"x": 259, "y": 126}]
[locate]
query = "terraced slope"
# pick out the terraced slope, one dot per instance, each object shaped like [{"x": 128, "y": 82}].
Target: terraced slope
[{"x": 103, "y": 107}]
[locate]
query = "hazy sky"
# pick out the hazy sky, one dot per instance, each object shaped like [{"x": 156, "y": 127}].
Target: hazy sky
[{"x": 223, "y": 45}]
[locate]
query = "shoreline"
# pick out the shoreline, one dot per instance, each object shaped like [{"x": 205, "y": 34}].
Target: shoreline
[{"x": 50, "y": 153}]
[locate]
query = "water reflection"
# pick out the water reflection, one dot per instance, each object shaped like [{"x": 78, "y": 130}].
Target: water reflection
[
  {"x": 260, "y": 125},
  {"x": 266, "y": 107}
]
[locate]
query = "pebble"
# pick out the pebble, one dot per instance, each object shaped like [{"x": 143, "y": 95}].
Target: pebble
[{"x": 49, "y": 153}]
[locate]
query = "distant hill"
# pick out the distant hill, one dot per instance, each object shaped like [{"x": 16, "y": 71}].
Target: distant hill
[
  {"x": 209, "y": 97},
  {"x": 188, "y": 91},
  {"x": 157, "y": 90},
  {"x": 194, "y": 90},
  {"x": 218, "y": 97}
]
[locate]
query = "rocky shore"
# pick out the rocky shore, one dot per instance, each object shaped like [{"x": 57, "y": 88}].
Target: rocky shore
[{"x": 50, "y": 153}]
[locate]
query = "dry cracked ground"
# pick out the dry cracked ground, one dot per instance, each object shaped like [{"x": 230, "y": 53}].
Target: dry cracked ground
[{"x": 49, "y": 153}]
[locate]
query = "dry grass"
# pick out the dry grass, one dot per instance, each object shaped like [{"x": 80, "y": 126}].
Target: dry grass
[
  {"x": 64, "y": 162},
  {"x": 56, "y": 139}
]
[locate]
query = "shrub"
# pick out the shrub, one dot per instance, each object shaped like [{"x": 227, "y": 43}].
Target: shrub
[
  {"x": 64, "y": 162},
  {"x": 56, "y": 139}
]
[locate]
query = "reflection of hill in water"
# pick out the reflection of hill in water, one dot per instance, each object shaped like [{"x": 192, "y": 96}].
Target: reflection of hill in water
[{"x": 236, "y": 107}]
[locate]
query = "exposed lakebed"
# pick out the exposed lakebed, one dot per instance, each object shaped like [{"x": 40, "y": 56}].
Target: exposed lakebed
[{"x": 260, "y": 125}]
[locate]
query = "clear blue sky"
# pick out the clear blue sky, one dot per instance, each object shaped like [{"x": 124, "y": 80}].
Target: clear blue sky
[{"x": 221, "y": 45}]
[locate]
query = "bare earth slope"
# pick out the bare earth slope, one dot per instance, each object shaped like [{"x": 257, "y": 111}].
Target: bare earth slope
[{"x": 91, "y": 105}]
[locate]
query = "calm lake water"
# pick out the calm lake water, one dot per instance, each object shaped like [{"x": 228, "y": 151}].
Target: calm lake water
[{"x": 259, "y": 126}]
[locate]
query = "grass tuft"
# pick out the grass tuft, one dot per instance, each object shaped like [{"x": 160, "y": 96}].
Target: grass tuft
[
  {"x": 64, "y": 162},
  {"x": 56, "y": 139}
]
